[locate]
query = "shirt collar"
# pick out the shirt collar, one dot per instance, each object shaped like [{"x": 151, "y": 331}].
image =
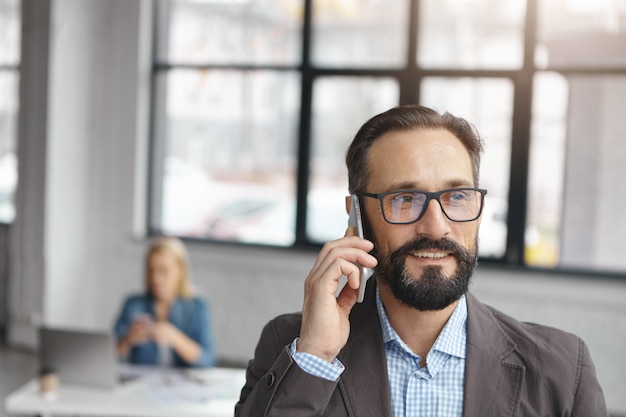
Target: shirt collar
[{"x": 451, "y": 340}]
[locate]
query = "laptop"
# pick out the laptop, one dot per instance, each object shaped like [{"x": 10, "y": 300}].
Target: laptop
[{"x": 79, "y": 357}]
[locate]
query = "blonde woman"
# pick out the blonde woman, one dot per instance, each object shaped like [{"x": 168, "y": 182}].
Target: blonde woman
[{"x": 167, "y": 325}]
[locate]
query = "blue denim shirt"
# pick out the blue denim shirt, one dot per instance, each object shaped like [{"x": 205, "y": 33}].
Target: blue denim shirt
[{"x": 190, "y": 315}]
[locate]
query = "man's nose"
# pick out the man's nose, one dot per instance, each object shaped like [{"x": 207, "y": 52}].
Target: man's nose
[{"x": 434, "y": 222}]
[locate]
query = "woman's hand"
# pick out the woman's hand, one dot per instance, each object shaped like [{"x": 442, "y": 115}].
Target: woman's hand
[
  {"x": 139, "y": 332},
  {"x": 164, "y": 333}
]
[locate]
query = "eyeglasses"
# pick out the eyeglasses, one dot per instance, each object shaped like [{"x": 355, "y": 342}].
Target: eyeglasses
[{"x": 408, "y": 206}]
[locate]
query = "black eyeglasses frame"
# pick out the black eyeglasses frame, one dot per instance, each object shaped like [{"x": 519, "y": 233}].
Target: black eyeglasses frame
[{"x": 429, "y": 196}]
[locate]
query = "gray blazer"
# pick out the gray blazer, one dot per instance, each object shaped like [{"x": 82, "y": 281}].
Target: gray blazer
[{"x": 511, "y": 369}]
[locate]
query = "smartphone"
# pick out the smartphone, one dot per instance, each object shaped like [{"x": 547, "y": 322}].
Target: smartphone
[{"x": 355, "y": 220}]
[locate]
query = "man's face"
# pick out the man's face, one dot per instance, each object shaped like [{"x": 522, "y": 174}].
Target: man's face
[{"x": 426, "y": 264}]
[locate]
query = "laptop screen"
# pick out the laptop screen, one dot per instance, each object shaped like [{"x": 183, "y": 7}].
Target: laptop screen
[{"x": 79, "y": 357}]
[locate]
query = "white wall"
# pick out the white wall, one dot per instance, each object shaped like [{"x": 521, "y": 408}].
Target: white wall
[{"x": 75, "y": 247}]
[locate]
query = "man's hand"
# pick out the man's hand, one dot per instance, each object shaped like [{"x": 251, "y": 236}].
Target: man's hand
[{"x": 325, "y": 326}]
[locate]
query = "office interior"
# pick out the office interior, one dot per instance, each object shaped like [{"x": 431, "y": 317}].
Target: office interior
[{"x": 75, "y": 247}]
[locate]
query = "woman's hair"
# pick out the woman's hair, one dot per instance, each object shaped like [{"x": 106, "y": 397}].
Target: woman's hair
[
  {"x": 403, "y": 118},
  {"x": 175, "y": 247}
]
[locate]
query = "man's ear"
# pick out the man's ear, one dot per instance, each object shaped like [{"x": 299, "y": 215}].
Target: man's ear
[{"x": 348, "y": 203}]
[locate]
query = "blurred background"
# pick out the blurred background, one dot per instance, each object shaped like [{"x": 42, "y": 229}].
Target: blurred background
[{"x": 226, "y": 123}]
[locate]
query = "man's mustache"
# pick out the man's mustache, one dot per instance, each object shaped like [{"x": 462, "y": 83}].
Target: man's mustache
[{"x": 425, "y": 243}]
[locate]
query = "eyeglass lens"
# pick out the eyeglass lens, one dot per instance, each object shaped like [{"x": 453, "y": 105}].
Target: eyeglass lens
[{"x": 407, "y": 206}]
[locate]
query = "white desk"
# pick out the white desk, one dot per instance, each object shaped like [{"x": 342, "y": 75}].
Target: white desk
[{"x": 136, "y": 398}]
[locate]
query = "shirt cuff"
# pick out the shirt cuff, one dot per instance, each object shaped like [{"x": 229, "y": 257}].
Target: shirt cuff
[{"x": 315, "y": 365}]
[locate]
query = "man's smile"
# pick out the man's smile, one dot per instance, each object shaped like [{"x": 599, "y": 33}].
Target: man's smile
[{"x": 427, "y": 254}]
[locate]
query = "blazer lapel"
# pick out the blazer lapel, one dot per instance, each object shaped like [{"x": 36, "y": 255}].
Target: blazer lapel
[
  {"x": 493, "y": 384},
  {"x": 364, "y": 384}
]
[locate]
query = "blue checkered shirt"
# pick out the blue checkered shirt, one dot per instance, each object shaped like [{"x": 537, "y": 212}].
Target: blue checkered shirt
[{"x": 435, "y": 390}]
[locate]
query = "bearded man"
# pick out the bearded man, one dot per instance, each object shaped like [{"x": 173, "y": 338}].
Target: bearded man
[{"x": 419, "y": 344}]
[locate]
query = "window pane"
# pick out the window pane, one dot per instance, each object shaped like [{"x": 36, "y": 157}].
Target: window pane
[
  {"x": 546, "y": 165},
  {"x": 341, "y": 105},
  {"x": 8, "y": 158},
  {"x": 471, "y": 34},
  {"x": 252, "y": 32},
  {"x": 230, "y": 155},
  {"x": 10, "y": 32},
  {"x": 488, "y": 104},
  {"x": 9, "y": 81},
  {"x": 576, "y": 33},
  {"x": 592, "y": 226},
  {"x": 360, "y": 33}
]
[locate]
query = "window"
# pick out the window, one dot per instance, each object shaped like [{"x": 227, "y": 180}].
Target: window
[
  {"x": 9, "y": 80},
  {"x": 577, "y": 148},
  {"x": 471, "y": 34},
  {"x": 228, "y": 93},
  {"x": 257, "y": 100}
]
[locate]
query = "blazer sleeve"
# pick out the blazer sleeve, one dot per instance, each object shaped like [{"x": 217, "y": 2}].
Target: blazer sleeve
[
  {"x": 275, "y": 385},
  {"x": 588, "y": 396}
]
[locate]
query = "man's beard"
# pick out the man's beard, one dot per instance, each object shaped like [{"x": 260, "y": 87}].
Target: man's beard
[{"x": 434, "y": 290}]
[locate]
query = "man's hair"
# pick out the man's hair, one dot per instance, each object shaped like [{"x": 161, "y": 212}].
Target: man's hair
[{"x": 403, "y": 118}]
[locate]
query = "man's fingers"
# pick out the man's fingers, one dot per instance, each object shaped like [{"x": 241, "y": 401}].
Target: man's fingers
[
  {"x": 353, "y": 276},
  {"x": 332, "y": 249},
  {"x": 347, "y": 297},
  {"x": 340, "y": 262}
]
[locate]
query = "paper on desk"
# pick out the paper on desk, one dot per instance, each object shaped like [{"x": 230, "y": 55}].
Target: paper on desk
[
  {"x": 221, "y": 382},
  {"x": 172, "y": 387}
]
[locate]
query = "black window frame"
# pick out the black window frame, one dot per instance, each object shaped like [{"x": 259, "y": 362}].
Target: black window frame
[{"x": 409, "y": 80}]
